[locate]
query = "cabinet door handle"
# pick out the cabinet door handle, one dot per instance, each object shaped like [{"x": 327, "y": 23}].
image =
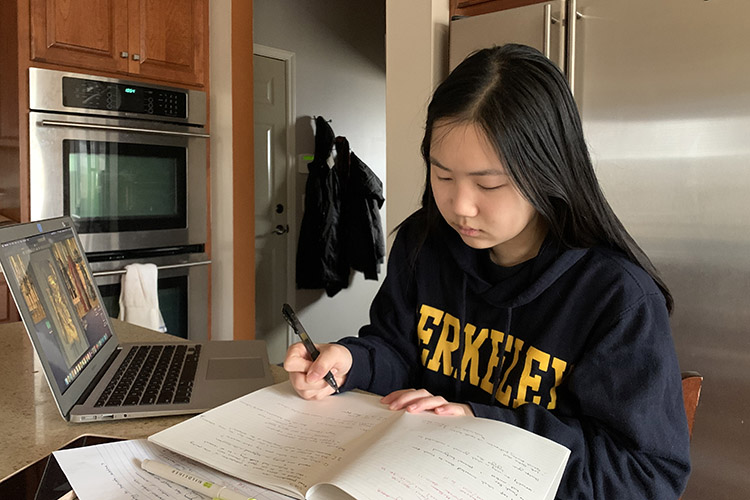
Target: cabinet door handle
[
  {"x": 136, "y": 57},
  {"x": 124, "y": 54}
]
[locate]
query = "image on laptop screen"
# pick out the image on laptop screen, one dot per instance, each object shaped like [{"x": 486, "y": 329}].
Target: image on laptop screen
[{"x": 60, "y": 299}]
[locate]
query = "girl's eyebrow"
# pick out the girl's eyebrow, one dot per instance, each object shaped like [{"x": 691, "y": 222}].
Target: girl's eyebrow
[{"x": 489, "y": 171}]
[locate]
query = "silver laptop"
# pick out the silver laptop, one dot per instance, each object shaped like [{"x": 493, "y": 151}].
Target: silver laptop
[{"x": 92, "y": 375}]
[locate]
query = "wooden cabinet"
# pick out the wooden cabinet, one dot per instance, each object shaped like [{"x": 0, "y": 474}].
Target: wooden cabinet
[
  {"x": 478, "y": 7},
  {"x": 8, "y": 310},
  {"x": 163, "y": 40},
  {"x": 81, "y": 33},
  {"x": 171, "y": 39}
]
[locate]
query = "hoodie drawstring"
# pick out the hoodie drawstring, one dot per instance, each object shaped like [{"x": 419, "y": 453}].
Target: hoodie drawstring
[
  {"x": 461, "y": 343},
  {"x": 499, "y": 370}
]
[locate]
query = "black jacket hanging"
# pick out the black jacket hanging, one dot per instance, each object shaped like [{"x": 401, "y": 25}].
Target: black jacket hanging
[
  {"x": 360, "y": 228},
  {"x": 341, "y": 228},
  {"x": 320, "y": 262}
]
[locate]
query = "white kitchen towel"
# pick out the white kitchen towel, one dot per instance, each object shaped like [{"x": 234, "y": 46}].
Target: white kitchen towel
[{"x": 139, "y": 297}]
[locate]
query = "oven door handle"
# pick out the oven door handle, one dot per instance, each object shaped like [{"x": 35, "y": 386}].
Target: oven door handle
[
  {"x": 168, "y": 266},
  {"x": 56, "y": 123}
]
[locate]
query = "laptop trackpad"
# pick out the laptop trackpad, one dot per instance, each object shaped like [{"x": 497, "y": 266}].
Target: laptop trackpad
[{"x": 229, "y": 368}]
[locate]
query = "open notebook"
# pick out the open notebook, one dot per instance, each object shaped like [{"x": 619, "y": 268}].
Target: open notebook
[
  {"x": 92, "y": 375},
  {"x": 352, "y": 446}
]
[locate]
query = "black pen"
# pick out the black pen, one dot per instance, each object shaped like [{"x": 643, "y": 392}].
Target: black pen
[{"x": 291, "y": 318}]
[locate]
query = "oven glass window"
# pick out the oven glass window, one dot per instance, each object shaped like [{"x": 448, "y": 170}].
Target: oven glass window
[
  {"x": 115, "y": 187},
  {"x": 173, "y": 303}
]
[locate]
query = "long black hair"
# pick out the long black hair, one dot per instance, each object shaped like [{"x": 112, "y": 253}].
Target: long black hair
[{"x": 524, "y": 105}]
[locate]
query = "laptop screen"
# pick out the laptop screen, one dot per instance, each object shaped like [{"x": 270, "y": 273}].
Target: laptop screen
[{"x": 58, "y": 301}]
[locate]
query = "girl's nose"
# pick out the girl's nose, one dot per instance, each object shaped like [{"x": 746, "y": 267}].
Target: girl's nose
[{"x": 464, "y": 204}]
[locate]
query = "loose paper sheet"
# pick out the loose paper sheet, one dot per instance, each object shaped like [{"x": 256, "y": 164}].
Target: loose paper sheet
[{"x": 113, "y": 471}]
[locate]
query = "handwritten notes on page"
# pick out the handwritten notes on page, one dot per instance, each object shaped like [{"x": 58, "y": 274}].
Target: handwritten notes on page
[
  {"x": 274, "y": 438},
  {"x": 351, "y": 446},
  {"x": 113, "y": 471},
  {"x": 437, "y": 457}
]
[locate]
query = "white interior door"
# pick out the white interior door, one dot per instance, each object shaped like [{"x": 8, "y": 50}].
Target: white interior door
[{"x": 271, "y": 207}]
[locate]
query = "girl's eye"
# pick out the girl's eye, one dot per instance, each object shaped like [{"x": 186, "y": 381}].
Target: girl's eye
[
  {"x": 490, "y": 188},
  {"x": 443, "y": 178}
]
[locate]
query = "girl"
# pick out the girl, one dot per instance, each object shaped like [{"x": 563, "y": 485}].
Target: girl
[{"x": 516, "y": 294}]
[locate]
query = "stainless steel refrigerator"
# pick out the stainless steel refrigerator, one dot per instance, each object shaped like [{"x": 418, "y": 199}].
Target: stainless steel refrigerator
[{"x": 664, "y": 91}]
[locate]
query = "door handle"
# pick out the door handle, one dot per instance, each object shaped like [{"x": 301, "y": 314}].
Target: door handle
[
  {"x": 116, "y": 128},
  {"x": 281, "y": 229},
  {"x": 184, "y": 265}
]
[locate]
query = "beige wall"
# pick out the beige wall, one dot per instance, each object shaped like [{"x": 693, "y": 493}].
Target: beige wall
[{"x": 416, "y": 61}]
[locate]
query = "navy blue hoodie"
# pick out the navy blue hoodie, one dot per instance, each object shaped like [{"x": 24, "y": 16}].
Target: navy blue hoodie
[{"x": 587, "y": 354}]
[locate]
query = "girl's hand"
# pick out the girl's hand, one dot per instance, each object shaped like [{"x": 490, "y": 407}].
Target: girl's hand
[
  {"x": 306, "y": 376},
  {"x": 419, "y": 400}
]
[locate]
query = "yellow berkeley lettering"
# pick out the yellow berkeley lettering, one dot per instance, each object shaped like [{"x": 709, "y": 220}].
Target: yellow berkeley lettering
[
  {"x": 536, "y": 363},
  {"x": 529, "y": 381},
  {"x": 559, "y": 366},
  {"x": 424, "y": 333},
  {"x": 504, "y": 390},
  {"x": 445, "y": 347},
  {"x": 471, "y": 352},
  {"x": 497, "y": 338}
]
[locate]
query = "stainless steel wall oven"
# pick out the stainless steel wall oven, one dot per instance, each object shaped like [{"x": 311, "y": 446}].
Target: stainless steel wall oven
[{"x": 127, "y": 161}]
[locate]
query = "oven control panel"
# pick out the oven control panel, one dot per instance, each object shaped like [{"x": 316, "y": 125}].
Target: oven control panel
[{"x": 110, "y": 96}]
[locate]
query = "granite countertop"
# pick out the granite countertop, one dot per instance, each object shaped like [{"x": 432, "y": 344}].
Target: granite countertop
[{"x": 33, "y": 427}]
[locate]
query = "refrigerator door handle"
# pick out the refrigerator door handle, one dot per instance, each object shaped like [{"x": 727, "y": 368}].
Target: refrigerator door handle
[
  {"x": 547, "y": 29},
  {"x": 549, "y": 20},
  {"x": 570, "y": 63}
]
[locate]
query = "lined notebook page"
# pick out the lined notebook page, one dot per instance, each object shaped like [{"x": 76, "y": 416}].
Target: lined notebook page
[
  {"x": 274, "y": 438},
  {"x": 439, "y": 457}
]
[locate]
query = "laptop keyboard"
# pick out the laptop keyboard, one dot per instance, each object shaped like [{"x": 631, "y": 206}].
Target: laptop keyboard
[{"x": 158, "y": 374}]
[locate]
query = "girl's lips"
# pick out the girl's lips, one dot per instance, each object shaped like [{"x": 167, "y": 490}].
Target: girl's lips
[{"x": 467, "y": 231}]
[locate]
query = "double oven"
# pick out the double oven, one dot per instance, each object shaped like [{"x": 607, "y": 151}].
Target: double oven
[{"x": 127, "y": 161}]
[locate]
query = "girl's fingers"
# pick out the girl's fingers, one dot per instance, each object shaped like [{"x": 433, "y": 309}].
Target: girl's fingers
[
  {"x": 454, "y": 409},
  {"x": 399, "y": 400},
  {"x": 426, "y": 404},
  {"x": 297, "y": 359},
  {"x": 307, "y": 390},
  {"x": 419, "y": 400}
]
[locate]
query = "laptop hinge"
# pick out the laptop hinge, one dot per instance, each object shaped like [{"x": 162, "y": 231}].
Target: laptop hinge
[{"x": 102, "y": 371}]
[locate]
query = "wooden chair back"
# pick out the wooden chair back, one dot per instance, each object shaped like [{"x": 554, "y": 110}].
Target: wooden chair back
[{"x": 691, "y": 393}]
